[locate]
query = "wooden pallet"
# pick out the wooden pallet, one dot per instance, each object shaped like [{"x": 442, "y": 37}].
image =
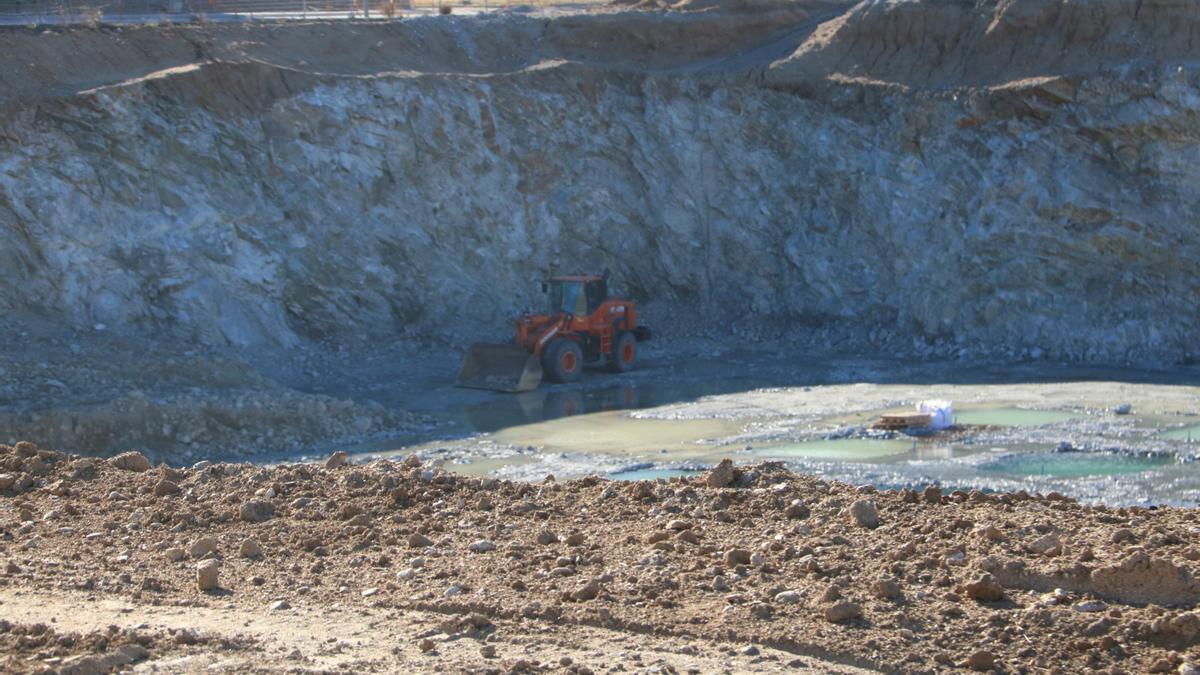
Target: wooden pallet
[{"x": 895, "y": 421}]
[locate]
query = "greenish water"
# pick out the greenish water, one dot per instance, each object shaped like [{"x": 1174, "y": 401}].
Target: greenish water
[
  {"x": 1191, "y": 433},
  {"x": 1071, "y": 464},
  {"x": 841, "y": 449},
  {"x": 1013, "y": 417},
  {"x": 652, "y": 474}
]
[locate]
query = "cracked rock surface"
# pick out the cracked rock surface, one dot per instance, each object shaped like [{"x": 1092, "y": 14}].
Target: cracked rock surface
[{"x": 1010, "y": 178}]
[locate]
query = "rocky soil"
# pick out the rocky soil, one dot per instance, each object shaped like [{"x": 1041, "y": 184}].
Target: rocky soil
[
  {"x": 102, "y": 393},
  {"x": 1010, "y": 178},
  {"x": 755, "y": 568}
]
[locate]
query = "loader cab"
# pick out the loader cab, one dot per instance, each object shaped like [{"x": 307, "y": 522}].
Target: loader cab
[{"x": 580, "y": 294}]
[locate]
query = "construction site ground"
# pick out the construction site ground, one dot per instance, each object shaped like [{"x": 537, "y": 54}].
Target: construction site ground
[{"x": 397, "y": 566}]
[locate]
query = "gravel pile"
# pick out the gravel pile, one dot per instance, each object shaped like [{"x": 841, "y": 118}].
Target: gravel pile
[{"x": 741, "y": 556}]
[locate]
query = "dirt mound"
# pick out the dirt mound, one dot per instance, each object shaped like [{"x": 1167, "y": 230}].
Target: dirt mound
[
  {"x": 1138, "y": 579},
  {"x": 951, "y": 44},
  {"x": 1143, "y": 579},
  {"x": 25, "y": 647},
  {"x": 756, "y": 557},
  {"x": 35, "y": 647}
]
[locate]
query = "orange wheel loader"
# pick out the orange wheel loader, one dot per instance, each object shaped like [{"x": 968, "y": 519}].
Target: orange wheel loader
[{"x": 584, "y": 325}]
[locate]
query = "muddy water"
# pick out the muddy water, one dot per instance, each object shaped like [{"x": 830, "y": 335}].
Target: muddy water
[
  {"x": 1190, "y": 434},
  {"x": 1073, "y": 464},
  {"x": 652, "y": 474},
  {"x": 840, "y": 449},
  {"x": 616, "y": 433},
  {"x": 1013, "y": 417},
  {"x": 1020, "y": 427}
]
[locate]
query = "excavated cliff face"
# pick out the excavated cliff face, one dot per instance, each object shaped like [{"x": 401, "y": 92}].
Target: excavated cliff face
[
  {"x": 903, "y": 172},
  {"x": 940, "y": 45}
]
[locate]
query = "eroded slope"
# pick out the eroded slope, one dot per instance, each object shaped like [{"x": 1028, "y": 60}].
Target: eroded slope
[{"x": 287, "y": 185}]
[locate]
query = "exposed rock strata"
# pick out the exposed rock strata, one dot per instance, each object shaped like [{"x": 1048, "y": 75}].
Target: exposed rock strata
[{"x": 879, "y": 169}]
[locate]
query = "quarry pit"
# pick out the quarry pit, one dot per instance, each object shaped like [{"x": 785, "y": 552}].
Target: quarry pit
[{"x": 239, "y": 248}]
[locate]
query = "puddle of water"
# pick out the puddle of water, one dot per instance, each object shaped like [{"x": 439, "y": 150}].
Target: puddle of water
[
  {"x": 1013, "y": 417},
  {"x": 840, "y": 449},
  {"x": 1072, "y": 464},
  {"x": 484, "y": 466},
  {"x": 588, "y": 429},
  {"x": 652, "y": 474},
  {"x": 548, "y": 403},
  {"x": 1190, "y": 434},
  {"x": 616, "y": 433}
]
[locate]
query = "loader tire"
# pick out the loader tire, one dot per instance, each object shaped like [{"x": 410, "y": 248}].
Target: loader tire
[
  {"x": 563, "y": 361},
  {"x": 624, "y": 353}
]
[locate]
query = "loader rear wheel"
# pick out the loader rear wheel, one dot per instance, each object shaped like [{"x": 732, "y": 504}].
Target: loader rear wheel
[
  {"x": 624, "y": 353},
  {"x": 563, "y": 361}
]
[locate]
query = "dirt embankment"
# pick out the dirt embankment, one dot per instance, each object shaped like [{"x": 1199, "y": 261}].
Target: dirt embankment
[
  {"x": 923, "y": 45},
  {"x": 947, "y": 45},
  {"x": 53, "y": 63},
  {"x": 771, "y": 567}
]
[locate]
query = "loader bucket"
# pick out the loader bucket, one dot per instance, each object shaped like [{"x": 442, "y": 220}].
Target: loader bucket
[{"x": 500, "y": 367}]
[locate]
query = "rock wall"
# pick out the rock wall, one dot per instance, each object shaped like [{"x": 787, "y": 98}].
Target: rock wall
[{"x": 747, "y": 177}]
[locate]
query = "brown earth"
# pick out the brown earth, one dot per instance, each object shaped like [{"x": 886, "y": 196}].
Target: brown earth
[{"x": 392, "y": 566}]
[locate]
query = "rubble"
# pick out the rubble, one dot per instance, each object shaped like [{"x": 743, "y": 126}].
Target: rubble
[{"x": 739, "y": 577}]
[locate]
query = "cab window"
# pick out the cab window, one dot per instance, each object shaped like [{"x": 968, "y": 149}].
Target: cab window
[
  {"x": 597, "y": 293},
  {"x": 567, "y": 296}
]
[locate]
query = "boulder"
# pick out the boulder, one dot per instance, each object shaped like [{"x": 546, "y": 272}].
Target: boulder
[
  {"x": 842, "y": 612},
  {"x": 250, "y": 548},
  {"x": 721, "y": 475},
  {"x": 256, "y": 511},
  {"x": 207, "y": 574},
  {"x": 865, "y": 513},
  {"x": 131, "y": 461},
  {"x": 165, "y": 487}
]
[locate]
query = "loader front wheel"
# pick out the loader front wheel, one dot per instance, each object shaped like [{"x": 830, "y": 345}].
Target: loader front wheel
[
  {"x": 563, "y": 361},
  {"x": 624, "y": 353}
]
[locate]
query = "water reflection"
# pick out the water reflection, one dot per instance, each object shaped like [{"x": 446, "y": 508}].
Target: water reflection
[
  {"x": 549, "y": 403},
  {"x": 1072, "y": 464}
]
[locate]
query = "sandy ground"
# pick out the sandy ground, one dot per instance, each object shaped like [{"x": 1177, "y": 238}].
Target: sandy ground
[
  {"x": 232, "y": 638},
  {"x": 396, "y": 566}
]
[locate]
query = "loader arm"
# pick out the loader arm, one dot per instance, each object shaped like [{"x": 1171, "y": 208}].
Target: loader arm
[{"x": 543, "y": 338}]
